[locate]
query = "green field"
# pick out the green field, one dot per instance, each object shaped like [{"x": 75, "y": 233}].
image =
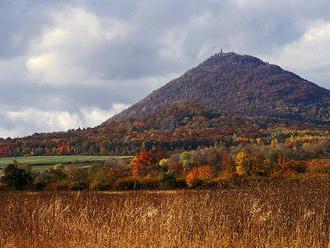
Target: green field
[{"x": 52, "y": 160}]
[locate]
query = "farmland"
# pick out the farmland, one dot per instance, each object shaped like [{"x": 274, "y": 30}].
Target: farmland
[
  {"x": 39, "y": 162},
  {"x": 279, "y": 214}
]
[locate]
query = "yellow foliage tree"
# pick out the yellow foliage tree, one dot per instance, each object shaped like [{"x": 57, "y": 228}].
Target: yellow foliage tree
[{"x": 244, "y": 162}]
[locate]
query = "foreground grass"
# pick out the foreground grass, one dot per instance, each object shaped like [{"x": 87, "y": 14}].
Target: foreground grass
[{"x": 286, "y": 214}]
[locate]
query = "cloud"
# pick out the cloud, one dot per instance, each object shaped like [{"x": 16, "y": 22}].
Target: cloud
[
  {"x": 94, "y": 116},
  {"x": 66, "y": 64},
  {"x": 65, "y": 53},
  {"x": 22, "y": 20},
  {"x": 7, "y": 133},
  {"x": 309, "y": 54},
  {"x": 37, "y": 120}
]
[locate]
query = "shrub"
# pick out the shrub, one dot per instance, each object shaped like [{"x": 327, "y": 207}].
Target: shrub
[
  {"x": 39, "y": 184},
  {"x": 17, "y": 177},
  {"x": 263, "y": 167},
  {"x": 213, "y": 157},
  {"x": 176, "y": 168},
  {"x": 198, "y": 175},
  {"x": 299, "y": 167},
  {"x": 77, "y": 175},
  {"x": 168, "y": 180},
  {"x": 150, "y": 182},
  {"x": 48, "y": 176},
  {"x": 102, "y": 174},
  {"x": 286, "y": 166},
  {"x": 78, "y": 186},
  {"x": 100, "y": 185},
  {"x": 223, "y": 178},
  {"x": 319, "y": 166},
  {"x": 58, "y": 185},
  {"x": 127, "y": 183}
]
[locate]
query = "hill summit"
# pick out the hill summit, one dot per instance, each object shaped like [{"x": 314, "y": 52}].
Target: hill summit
[{"x": 240, "y": 85}]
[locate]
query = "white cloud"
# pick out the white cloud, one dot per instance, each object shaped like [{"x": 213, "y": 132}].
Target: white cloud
[
  {"x": 4, "y": 133},
  {"x": 59, "y": 120},
  {"x": 309, "y": 55},
  {"x": 63, "y": 54},
  {"x": 37, "y": 120},
  {"x": 94, "y": 116}
]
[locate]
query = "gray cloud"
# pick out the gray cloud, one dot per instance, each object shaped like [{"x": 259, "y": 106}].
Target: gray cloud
[
  {"x": 66, "y": 64},
  {"x": 22, "y": 19}
]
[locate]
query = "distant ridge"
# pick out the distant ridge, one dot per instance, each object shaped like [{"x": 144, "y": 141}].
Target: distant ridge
[{"x": 242, "y": 85}]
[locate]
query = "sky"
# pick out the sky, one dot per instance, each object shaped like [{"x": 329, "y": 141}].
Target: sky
[{"x": 75, "y": 63}]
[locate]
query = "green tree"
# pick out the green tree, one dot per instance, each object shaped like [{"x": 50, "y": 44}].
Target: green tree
[{"x": 187, "y": 159}]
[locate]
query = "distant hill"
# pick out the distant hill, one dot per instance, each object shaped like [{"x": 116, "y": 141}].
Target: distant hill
[
  {"x": 240, "y": 85},
  {"x": 226, "y": 96}
]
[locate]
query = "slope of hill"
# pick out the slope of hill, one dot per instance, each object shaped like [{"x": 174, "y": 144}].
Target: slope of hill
[
  {"x": 242, "y": 85},
  {"x": 226, "y": 96}
]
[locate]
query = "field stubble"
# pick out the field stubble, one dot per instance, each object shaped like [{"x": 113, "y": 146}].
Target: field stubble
[{"x": 279, "y": 215}]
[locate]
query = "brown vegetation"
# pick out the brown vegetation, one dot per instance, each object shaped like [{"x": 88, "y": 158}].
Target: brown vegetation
[{"x": 294, "y": 215}]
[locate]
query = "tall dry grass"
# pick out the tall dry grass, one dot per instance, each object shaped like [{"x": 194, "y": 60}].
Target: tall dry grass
[{"x": 279, "y": 215}]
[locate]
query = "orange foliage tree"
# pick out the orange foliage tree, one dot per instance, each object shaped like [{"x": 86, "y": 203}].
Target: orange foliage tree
[
  {"x": 198, "y": 175},
  {"x": 143, "y": 163}
]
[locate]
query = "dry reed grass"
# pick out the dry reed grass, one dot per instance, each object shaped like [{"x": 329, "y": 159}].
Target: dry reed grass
[{"x": 280, "y": 215}]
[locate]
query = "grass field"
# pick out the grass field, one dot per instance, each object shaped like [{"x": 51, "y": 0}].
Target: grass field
[
  {"x": 282, "y": 214},
  {"x": 52, "y": 160}
]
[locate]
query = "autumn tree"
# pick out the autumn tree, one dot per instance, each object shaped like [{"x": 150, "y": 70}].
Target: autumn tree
[
  {"x": 198, "y": 175},
  {"x": 262, "y": 166},
  {"x": 226, "y": 161},
  {"x": 143, "y": 164},
  {"x": 244, "y": 162},
  {"x": 164, "y": 163},
  {"x": 63, "y": 149},
  {"x": 213, "y": 157},
  {"x": 188, "y": 159}
]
